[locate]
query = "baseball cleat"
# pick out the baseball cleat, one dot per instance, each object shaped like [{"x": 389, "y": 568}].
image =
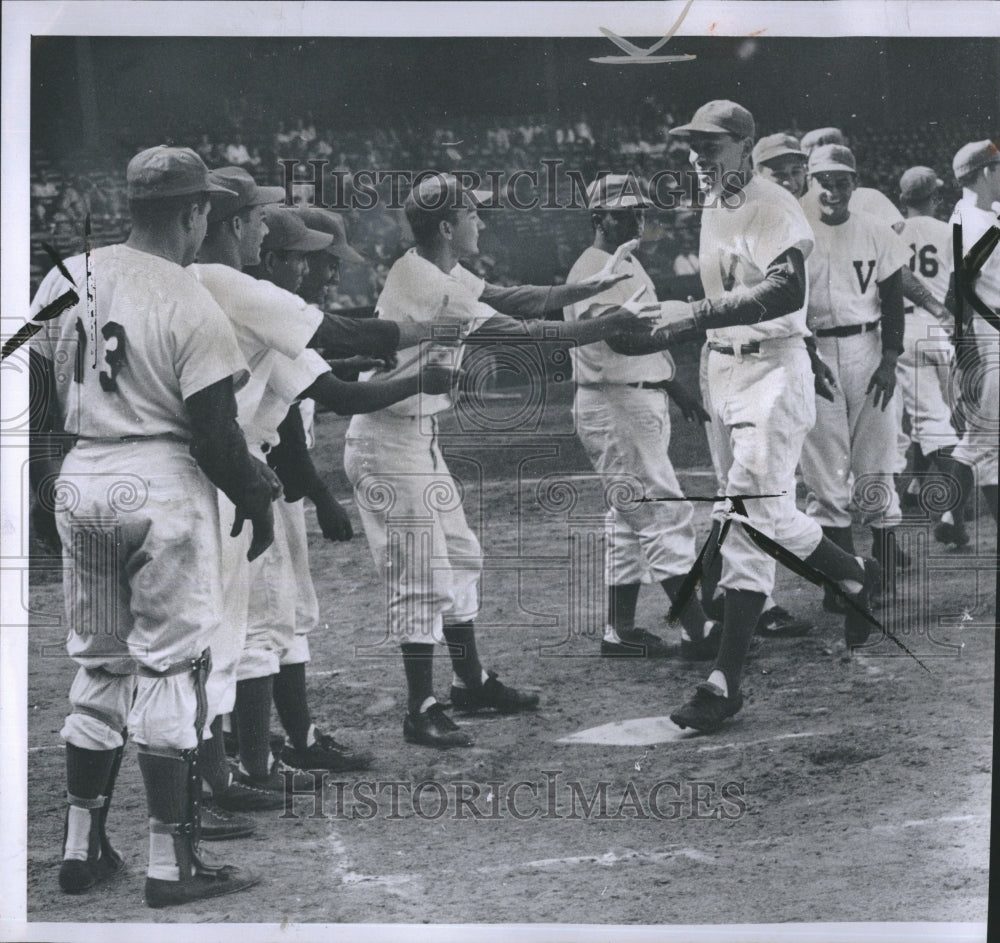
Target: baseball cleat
[
  {"x": 243, "y": 795},
  {"x": 856, "y": 627},
  {"x": 780, "y": 623},
  {"x": 707, "y": 709},
  {"x": 326, "y": 753},
  {"x": 638, "y": 644},
  {"x": 206, "y": 882},
  {"x": 703, "y": 649},
  {"x": 956, "y": 534},
  {"x": 76, "y": 877},
  {"x": 491, "y": 694},
  {"x": 434, "y": 728},
  {"x": 217, "y": 824}
]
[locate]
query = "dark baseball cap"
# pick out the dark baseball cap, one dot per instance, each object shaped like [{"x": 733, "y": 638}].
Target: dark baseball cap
[
  {"x": 160, "y": 172},
  {"x": 918, "y": 184},
  {"x": 287, "y": 232},
  {"x": 719, "y": 117},
  {"x": 974, "y": 156},
  {"x": 820, "y": 136},
  {"x": 615, "y": 192},
  {"x": 829, "y": 158},
  {"x": 776, "y": 145},
  {"x": 245, "y": 192},
  {"x": 329, "y": 222}
]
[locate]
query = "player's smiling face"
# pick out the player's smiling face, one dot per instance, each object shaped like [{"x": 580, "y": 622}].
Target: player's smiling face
[
  {"x": 834, "y": 189},
  {"x": 788, "y": 171},
  {"x": 715, "y": 155},
  {"x": 622, "y": 225}
]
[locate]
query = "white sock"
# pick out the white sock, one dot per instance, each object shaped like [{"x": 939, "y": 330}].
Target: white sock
[
  {"x": 428, "y": 702},
  {"x": 610, "y": 635},
  {"x": 485, "y": 676},
  {"x": 227, "y": 724},
  {"x": 311, "y": 736},
  {"x": 718, "y": 678},
  {"x": 162, "y": 858},
  {"x": 77, "y": 834},
  {"x": 947, "y": 518},
  {"x": 685, "y": 635},
  {"x": 457, "y": 682}
]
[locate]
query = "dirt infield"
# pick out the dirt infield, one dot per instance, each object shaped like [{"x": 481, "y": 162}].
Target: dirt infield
[{"x": 848, "y": 789}]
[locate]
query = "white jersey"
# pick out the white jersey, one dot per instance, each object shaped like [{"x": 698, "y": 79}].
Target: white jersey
[
  {"x": 417, "y": 290},
  {"x": 271, "y": 324},
  {"x": 288, "y": 380},
  {"x": 154, "y": 338},
  {"x": 845, "y": 268},
  {"x": 598, "y": 363},
  {"x": 863, "y": 200},
  {"x": 931, "y": 255},
  {"x": 975, "y": 222},
  {"x": 738, "y": 245}
]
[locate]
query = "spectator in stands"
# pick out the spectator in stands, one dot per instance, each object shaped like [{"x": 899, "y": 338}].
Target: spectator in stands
[{"x": 237, "y": 155}]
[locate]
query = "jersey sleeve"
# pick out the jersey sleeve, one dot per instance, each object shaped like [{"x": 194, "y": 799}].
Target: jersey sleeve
[
  {"x": 53, "y": 285},
  {"x": 471, "y": 282},
  {"x": 778, "y": 228},
  {"x": 373, "y": 337},
  {"x": 892, "y": 253},
  {"x": 290, "y": 378},
  {"x": 205, "y": 349}
]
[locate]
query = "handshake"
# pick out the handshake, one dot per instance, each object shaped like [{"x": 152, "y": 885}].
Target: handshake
[{"x": 647, "y": 327}]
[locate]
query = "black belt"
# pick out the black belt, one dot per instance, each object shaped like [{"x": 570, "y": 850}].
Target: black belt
[
  {"x": 647, "y": 386},
  {"x": 848, "y": 331},
  {"x": 752, "y": 348}
]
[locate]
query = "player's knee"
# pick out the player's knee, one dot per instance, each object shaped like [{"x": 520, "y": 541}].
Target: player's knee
[{"x": 91, "y": 733}]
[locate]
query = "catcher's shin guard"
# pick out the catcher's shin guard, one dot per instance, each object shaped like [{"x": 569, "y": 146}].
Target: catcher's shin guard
[{"x": 92, "y": 772}]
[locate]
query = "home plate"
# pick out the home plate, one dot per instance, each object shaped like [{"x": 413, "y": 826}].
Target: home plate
[{"x": 641, "y": 731}]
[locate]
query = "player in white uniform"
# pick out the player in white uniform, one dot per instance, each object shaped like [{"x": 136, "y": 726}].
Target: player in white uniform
[
  {"x": 623, "y": 420},
  {"x": 977, "y": 169},
  {"x": 754, "y": 242},
  {"x": 856, "y": 313},
  {"x": 780, "y": 159},
  {"x": 144, "y": 370},
  {"x": 407, "y": 499},
  {"x": 925, "y": 365}
]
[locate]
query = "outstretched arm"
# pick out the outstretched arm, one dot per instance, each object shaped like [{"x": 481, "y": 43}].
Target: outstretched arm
[{"x": 345, "y": 399}]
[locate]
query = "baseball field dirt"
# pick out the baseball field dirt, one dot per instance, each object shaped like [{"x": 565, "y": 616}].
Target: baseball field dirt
[{"x": 850, "y": 788}]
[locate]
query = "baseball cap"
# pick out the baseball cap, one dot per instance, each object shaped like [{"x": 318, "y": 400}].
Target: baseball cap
[
  {"x": 287, "y": 232},
  {"x": 819, "y": 136},
  {"x": 442, "y": 191},
  {"x": 719, "y": 117},
  {"x": 329, "y": 222},
  {"x": 831, "y": 157},
  {"x": 615, "y": 192},
  {"x": 160, "y": 172},
  {"x": 973, "y": 156},
  {"x": 245, "y": 190},
  {"x": 776, "y": 145},
  {"x": 917, "y": 184}
]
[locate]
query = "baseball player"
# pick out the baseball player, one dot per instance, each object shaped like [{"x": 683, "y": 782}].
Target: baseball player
[
  {"x": 324, "y": 264},
  {"x": 433, "y": 592},
  {"x": 754, "y": 242},
  {"x": 780, "y": 159},
  {"x": 144, "y": 372},
  {"x": 856, "y": 313},
  {"x": 924, "y": 368},
  {"x": 273, "y": 326},
  {"x": 623, "y": 421},
  {"x": 977, "y": 170}
]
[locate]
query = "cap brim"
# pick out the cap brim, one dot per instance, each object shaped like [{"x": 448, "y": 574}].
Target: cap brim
[
  {"x": 346, "y": 254},
  {"x": 268, "y": 195},
  {"x": 479, "y": 197},
  {"x": 831, "y": 168},
  {"x": 312, "y": 241},
  {"x": 698, "y": 128},
  {"x": 215, "y": 188},
  {"x": 774, "y": 155}
]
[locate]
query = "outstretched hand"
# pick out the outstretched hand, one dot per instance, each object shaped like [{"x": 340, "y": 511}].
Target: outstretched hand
[{"x": 609, "y": 275}]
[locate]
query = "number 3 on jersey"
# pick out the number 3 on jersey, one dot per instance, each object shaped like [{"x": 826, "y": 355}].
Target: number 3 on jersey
[
  {"x": 114, "y": 354},
  {"x": 927, "y": 257}
]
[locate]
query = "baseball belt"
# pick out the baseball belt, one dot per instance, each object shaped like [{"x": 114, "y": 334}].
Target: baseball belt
[{"x": 848, "y": 330}]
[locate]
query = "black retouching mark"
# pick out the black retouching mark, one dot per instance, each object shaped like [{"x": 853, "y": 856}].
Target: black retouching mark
[
  {"x": 966, "y": 271},
  {"x": 52, "y": 310}
]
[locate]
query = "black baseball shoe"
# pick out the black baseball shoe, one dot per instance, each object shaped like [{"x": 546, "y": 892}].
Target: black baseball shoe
[
  {"x": 778, "y": 622},
  {"x": 492, "y": 695},
  {"x": 217, "y": 824},
  {"x": 708, "y": 708},
  {"x": 638, "y": 643},
  {"x": 327, "y": 753},
  {"x": 703, "y": 649},
  {"x": 244, "y": 794},
  {"x": 956, "y": 534},
  {"x": 434, "y": 728},
  {"x": 856, "y": 627},
  {"x": 76, "y": 877}
]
